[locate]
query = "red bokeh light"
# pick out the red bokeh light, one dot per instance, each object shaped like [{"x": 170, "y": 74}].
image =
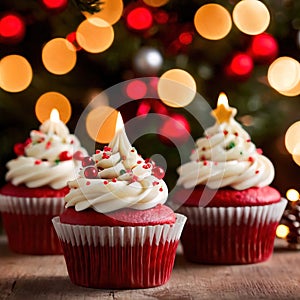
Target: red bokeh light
[
  {"x": 12, "y": 28},
  {"x": 71, "y": 37},
  {"x": 55, "y": 4},
  {"x": 241, "y": 65},
  {"x": 136, "y": 89},
  {"x": 139, "y": 18},
  {"x": 186, "y": 38},
  {"x": 264, "y": 48},
  {"x": 175, "y": 129}
]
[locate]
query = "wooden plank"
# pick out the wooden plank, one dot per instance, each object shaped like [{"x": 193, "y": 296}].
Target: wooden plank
[{"x": 45, "y": 277}]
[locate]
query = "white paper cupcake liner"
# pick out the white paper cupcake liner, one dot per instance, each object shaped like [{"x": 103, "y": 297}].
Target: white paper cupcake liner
[
  {"x": 32, "y": 205},
  {"x": 101, "y": 235},
  {"x": 251, "y": 215}
]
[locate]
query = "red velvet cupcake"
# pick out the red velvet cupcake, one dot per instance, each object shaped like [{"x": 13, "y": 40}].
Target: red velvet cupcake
[
  {"x": 224, "y": 192},
  {"x": 116, "y": 231},
  {"x": 36, "y": 186}
]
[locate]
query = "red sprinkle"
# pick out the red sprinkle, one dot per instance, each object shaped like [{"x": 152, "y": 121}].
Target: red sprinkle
[
  {"x": 147, "y": 166},
  {"x": 139, "y": 162},
  {"x": 106, "y": 148},
  {"x": 105, "y": 156},
  {"x": 257, "y": 171},
  {"x": 48, "y": 145},
  {"x": 203, "y": 157},
  {"x": 161, "y": 189},
  {"x": 88, "y": 183},
  {"x": 132, "y": 150},
  {"x": 114, "y": 180},
  {"x": 203, "y": 149},
  {"x": 105, "y": 182},
  {"x": 38, "y": 162},
  {"x": 205, "y": 163},
  {"x": 248, "y": 141},
  {"x": 154, "y": 183},
  {"x": 98, "y": 151},
  {"x": 251, "y": 159},
  {"x": 72, "y": 142},
  {"x": 236, "y": 134},
  {"x": 225, "y": 132},
  {"x": 259, "y": 151}
]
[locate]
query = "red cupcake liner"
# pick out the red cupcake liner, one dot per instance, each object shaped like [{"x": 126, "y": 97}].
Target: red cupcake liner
[
  {"x": 28, "y": 226},
  {"x": 120, "y": 257},
  {"x": 230, "y": 235}
]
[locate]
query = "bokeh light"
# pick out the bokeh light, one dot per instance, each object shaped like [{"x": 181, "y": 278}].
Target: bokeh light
[
  {"x": 59, "y": 56},
  {"x": 292, "y": 195},
  {"x": 282, "y": 231},
  {"x": 292, "y": 137},
  {"x": 111, "y": 11},
  {"x": 140, "y": 18},
  {"x": 136, "y": 89},
  {"x": 284, "y": 74},
  {"x": 12, "y": 28},
  {"x": 101, "y": 124},
  {"x": 296, "y": 154},
  {"x": 251, "y": 16},
  {"x": 176, "y": 88},
  {"x": 212, "y": 21},
  {"x": 55, "y": 4},
  {"x": 95, "y": 35},
  {"x": 50, "y": 100},
  {"x": 240, "y": 65},
  {"x": 156, "y": 3},
  {"x": 15, "y": 73}
]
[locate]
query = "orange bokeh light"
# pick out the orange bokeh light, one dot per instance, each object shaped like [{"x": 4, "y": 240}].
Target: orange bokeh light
[
  {"x": 111, "y": 11},
  {"x": 176, "y": 88},
  {"x": 15, "y": 73},
  {"x": 156, "y": 3},
  {"x": 212, "y": 21},
  {"x": 50, "y": 100},
  {"x": 292, "y": 137},
  {"x": 101, "y": 123},
  {"x": 59, "y": 56},
  {"x": 251, "y": 16},
  {"x": 95, "y": 35}
]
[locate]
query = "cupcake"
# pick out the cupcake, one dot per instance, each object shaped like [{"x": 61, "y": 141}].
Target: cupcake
[
  {"x": 36, "y": 186},
  {"x": 116, "y": 231},
  {"x": 224, "y": 190}
]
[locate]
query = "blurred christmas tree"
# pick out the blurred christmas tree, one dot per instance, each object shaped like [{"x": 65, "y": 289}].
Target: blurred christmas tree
[{"x": 231, "y": 64}]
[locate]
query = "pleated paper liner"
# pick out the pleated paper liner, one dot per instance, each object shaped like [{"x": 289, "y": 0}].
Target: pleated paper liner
[
  {"x": 28, "y": 226},
  {"x": 120, "y": 257},
  {"x": 230, "y": 235}
]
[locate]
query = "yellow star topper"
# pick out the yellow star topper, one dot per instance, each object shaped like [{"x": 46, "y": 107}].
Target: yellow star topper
[{"x": 223, "y": 112}]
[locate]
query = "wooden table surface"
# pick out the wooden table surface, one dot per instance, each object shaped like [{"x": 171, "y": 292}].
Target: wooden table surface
[{"x": 45, "y": 277}]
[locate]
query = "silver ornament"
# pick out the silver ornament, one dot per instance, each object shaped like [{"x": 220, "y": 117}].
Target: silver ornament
[{"x": 147, "y": 61}]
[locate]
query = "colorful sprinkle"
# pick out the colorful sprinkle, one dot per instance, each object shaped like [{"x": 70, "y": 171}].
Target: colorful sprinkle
[
  {"x": 257, "y": 171},
  {"x": 236, "y": 134},
  {"x": 105, "y": 182},
  {"x": 132, "y": 150},
  {"x": 106, "y": 148},
  {"x": 203, "y": 149},
  {"x": 105, "y": 156},
  {"x": 203, "y": 157},
  {"x": 225, "y": 132},
  {"x": 205, "y": 163},
  {"x": 259, "y": 151},
  {"x": 48, "y": 145},
  {"x": 251, "y": 159},
  {"x": 154, "y": 183},
  {"x": 147, "y": 166},
  {"x": 248, "y": 140},
  {"x": 161, "y": 189},
  {"x": 88, "y": 183},
  {"x": 122, "y": 172},
  {"x": 98, "y": 151},
  {"x": 37, "y": 162},
  {"x": 139, "y": 162},
  {"x": 230, "y": 145},
  {"x": 114, "y": 180}
]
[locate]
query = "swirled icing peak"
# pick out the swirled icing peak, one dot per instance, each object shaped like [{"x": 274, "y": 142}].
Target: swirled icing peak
[
  {"x": 51, "y": 156},
  {"x": 226, "y": 157},
  {"x": 117, "y": 177}
]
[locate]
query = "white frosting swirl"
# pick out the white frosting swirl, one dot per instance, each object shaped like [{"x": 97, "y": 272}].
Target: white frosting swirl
[
  {"x": 226, "y": 157},
  {"x": 41, "y": 164},
  {"x": 124, "y": 179}
]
